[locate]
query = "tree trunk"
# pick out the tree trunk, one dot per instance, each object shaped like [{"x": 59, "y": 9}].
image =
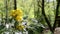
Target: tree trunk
[
  {"x": 47, "y": 21},
  {"x": 57, "y": 11}
]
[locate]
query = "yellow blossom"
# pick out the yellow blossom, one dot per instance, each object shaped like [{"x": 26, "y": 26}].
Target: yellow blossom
[
  {"x": 19, "y": 18},
  {"x": 12, "y": 13},
  {"x": 17, "y": 14},
  {"x": 21, "y": 27}
]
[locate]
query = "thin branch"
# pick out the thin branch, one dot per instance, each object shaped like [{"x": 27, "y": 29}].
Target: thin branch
[
  {"x": 6, "y": 6},
  {"x": 15, "y": 5}
]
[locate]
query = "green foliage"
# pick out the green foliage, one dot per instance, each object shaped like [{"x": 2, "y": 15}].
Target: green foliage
[{"x": 32, "y": 9}]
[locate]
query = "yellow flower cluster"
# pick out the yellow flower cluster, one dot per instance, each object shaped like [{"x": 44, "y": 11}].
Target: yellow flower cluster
[
  {"x": 17, "y": 14},
  {"x": 20, "y": 27}
]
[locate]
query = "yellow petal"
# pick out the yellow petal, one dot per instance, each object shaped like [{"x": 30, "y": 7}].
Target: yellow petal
[{"x": 19, "y": 18}]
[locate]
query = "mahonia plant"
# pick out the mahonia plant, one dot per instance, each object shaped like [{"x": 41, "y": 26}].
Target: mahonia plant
[{"x": 17, "y": 15}]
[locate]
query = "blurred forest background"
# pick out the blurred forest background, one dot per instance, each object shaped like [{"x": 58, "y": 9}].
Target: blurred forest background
[{"x": 40, "y": 14}]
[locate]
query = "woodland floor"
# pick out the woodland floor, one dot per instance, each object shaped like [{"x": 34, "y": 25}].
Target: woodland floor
[{"x": 57, "y": 31}]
